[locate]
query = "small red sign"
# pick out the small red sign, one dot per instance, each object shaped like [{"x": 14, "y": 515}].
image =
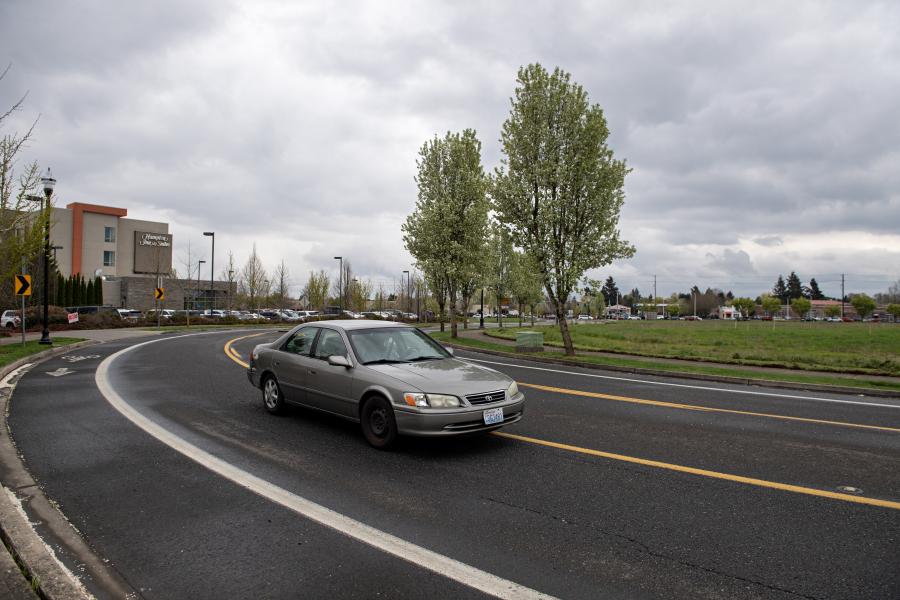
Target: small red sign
[{"x": 73, "y": 317}]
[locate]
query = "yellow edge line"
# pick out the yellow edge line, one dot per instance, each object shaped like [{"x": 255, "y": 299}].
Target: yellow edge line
[
  {"x": 662, "y": 465},
  {"x": 704, "y": 408},
  {"x": 232, "y": 353}
]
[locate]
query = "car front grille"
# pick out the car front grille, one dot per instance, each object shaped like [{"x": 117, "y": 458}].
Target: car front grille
[{"x": 487, "y": 398}]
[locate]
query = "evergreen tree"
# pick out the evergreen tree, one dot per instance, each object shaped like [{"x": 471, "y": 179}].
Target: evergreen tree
[
  {"x": 780, "y": 290},
  {"x": 814, "y": 290},
  {"x": 84, "y": 296},
  {"x": 76, "y": 291},
  {"x": 635, "y": 293},
  {"x": 794, "y": 287},
  {"x": 67, "y": 291},
  {"x": 89, "y": 292},
  {"x": 60, "y": 289},
  {"x": 98, "y": 290},
  {"x": 610, "y": 291},
  {"x": 729, "y": 296}
]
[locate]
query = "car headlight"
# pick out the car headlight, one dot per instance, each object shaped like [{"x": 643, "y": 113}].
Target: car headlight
[
  {"x": 512, "y": 390},
  {"x": 431, "y": 400}
]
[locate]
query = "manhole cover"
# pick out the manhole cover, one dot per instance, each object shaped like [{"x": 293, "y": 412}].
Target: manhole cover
[{"x": 849, "y": 489}]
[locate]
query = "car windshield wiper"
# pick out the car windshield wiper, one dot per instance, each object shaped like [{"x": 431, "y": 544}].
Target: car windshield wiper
[
  {"x": 384, "y": 361},
  {"x": 426, "y": 358}
]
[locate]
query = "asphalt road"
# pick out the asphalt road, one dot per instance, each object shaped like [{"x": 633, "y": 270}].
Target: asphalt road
[{"x": 560, "y": 519}]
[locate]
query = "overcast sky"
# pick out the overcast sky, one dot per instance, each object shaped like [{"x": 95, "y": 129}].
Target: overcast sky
[{"x": 763, "y": 136}]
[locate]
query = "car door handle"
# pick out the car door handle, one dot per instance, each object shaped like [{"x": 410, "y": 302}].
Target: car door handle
[
  {"x": 276, "y": 364},
  {"x": 312, "y": 372}
]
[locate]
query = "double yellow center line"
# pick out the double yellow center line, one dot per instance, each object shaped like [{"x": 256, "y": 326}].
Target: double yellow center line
[{"x": 233, "y": 355}]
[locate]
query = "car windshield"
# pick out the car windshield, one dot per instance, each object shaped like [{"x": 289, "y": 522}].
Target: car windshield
[{"x": 394, "y": 345}]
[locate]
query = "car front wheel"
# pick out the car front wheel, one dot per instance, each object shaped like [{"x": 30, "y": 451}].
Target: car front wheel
[
  {"x": 272, "y": 397},
  {"x": 378, "y": 424}
]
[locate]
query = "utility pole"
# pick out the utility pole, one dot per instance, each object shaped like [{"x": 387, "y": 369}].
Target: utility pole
[
  {"x": 842, "y": 296},
  {"x": 654, "y": 294}
]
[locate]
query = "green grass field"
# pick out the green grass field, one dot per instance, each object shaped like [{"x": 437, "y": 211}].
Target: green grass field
[
  {"x": 700, "y": 368},
  {"x": 861, "y": 348},
  {"x": 12, "y": 350}
]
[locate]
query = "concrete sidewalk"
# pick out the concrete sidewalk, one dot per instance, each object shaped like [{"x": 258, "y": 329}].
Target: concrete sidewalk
[{"x": 479, "y": 334}]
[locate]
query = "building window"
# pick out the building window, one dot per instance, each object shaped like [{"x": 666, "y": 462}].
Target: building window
[
  {"x": 109, "y": 234},
  {"x": 109, "y": 258}
]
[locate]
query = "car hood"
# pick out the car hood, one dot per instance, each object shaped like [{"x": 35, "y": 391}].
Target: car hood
[{"x": 448, "y": 376}]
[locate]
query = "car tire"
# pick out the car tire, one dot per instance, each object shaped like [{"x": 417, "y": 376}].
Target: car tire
[
  {"x": 273, "y": 399},
  {"x": 378, "y": 423}
]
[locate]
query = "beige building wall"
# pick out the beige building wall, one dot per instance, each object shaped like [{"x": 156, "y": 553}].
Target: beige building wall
[
  {"x": 93, "y": 246},
  {"x": 61, "y": 235}
]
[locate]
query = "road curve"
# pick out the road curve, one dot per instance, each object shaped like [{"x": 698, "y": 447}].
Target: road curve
[{"x": 564, "y": 517}]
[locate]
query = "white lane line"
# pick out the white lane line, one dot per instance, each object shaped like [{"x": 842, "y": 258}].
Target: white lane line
[
  {"x": 681, "y": 385},
  {"x": 421, "y": 557}
]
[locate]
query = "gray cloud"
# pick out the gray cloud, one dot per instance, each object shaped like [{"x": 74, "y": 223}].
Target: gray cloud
[{"x": 298, "y": 126}]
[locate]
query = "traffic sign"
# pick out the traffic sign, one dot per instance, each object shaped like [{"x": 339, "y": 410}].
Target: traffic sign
[
  {"x": 160, "y": 294},
  {"x": 23, "y": 285}
]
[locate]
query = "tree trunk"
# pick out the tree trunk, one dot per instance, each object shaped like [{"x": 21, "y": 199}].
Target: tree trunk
[
  {"x": 564, "y": 330},
  {"x": 500, "y": 315},
  {"x": 441, "y": 316},
  {"x": 520, "y": 314},
  {"x": 452, "y": 287}
]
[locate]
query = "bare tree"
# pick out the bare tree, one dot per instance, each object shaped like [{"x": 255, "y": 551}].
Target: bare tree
[
  {"x": 21, "y": 227},
  {"x": 317, "y": 290},
  {"x": 228, "y": 274},
  {"x": 283, "y": 286},
  {"x": 360, "y": 292},
  {"x": 189, "y": 258},
  {"x": 253, "y": 280}
]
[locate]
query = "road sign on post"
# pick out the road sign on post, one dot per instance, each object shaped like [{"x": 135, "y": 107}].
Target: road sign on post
[
  {"x": 23, "y": 285},
  {"x": 160, "y": 294}
]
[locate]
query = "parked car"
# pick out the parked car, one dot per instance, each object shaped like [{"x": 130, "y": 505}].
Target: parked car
[
  {"x": 692, "y": 318},
  {"x": 164, "y": 314},
  {"x": 391, "y": 378},
  {"x": 10, "y": 319},
  {"x": 636, "y": 318},
  {"x": 93, "y": 310},
  {"x": 131, "y": 315},
  {"x": 585, "y": 318}
]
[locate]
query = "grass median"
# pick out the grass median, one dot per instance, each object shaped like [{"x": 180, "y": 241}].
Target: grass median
[
  {"x": 853, "y": 348},
  {"x": 699, "y": 368},
  {"x": 13, "y": 351}
]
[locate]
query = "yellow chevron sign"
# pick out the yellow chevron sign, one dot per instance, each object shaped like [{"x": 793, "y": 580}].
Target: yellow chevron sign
[
  {"x": 23, "y": 285},
  {"x": 160, "y": 294}
]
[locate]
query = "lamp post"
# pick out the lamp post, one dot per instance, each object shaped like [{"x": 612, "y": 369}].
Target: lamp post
[
  {"x": 212, "y": 271},
  {"x": 481, "y": 319},
  {"x": 199, "y": 262},
  {"x": 407, "y": 291},
  {"x": 340, "y": 286},
  {"x": 48, "y": 183}
]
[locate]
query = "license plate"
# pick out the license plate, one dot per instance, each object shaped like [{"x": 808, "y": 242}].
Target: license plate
[{"x": 495, "y": 415}]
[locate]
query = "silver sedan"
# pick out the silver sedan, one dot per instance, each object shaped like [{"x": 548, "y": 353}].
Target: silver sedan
[{"x": 391, "y": 378}]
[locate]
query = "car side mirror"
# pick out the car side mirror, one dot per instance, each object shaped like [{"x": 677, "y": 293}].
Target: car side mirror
[
  {"x": 449, "y": 351},
  {"x": 339, "y": 361}
]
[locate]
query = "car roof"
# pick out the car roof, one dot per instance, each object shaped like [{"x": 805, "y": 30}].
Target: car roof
[{"x": 348, "y": 324}]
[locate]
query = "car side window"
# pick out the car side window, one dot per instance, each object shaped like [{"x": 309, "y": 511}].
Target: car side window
[
  {"x": 330, "y": 344},
  {"x": 301, "y": 342}
]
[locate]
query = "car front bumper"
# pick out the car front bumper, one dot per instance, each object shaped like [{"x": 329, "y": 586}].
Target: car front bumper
[{"x": 438, "y": 424}]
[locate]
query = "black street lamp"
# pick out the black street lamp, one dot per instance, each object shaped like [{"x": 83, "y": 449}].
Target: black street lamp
[
  {"x": 48, "y": 183},
  {"x": 481, "y": 319},
  {"x": 212, "y": 271}
]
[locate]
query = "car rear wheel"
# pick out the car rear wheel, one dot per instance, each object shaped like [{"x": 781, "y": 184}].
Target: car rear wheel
[
  {"x": 378, "y": 423},
  {"x": 273, "y": 399}
]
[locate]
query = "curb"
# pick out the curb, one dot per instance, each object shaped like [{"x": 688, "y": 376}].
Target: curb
[
  {"x": 19, "y": 487},
  {"x": 786, "y": 385}
]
